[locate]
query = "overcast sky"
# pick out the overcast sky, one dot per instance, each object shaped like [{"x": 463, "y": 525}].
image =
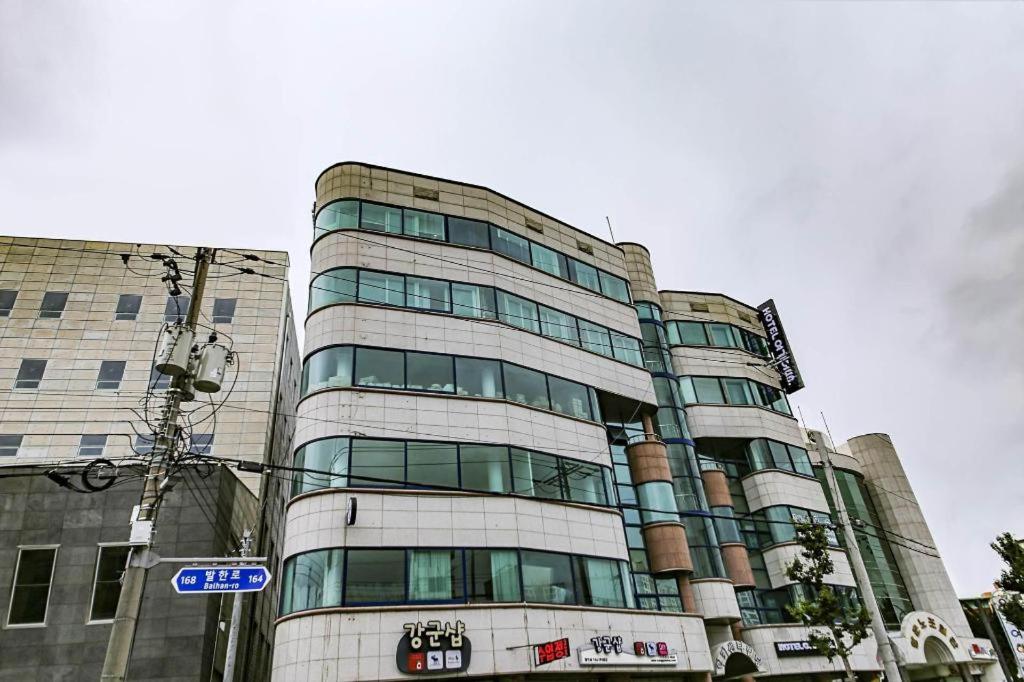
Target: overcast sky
[{"x": 861, "y": 163}]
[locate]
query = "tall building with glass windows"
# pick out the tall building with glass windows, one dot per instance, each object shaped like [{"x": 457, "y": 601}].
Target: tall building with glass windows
[{"x": 515, "y": 456}]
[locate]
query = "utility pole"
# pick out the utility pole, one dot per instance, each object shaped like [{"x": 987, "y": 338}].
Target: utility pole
[
  {"x": 141, "y": 558},
  {"x": 892, "y": 671},
  {"x": 236, "y": 619}
]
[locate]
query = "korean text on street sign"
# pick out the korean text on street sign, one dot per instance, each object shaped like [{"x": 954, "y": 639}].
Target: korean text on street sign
[{"x": 205, "y": 579}]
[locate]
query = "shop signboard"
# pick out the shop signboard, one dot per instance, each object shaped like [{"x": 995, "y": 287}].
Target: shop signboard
[
  {"x": 800, "y": 647},
  {"x": 608, "y": 650},
  {"x": 778, "y": 346},
  {"x": 549, "y": 652},
  {"x": 1013, "y": 634},
  {"x": 433, "y": 648}
]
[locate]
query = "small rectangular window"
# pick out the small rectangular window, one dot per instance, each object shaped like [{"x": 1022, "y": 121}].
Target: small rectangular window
[
  {"x": 202, "y": 444},
  {"x": 224, "y": 310},
  {"x": 53, "y": 305},
  {"x": 143, "y": 445},
  {"x": 106, "y": 589},
  {"x": 7, "y": 299},
  {"x": 526, "y": 386},
  {"x": 380, "y": 287},
  {"x": 30, "y": 594},
  {"x": 9, "y": 445},
  {"x": 425, "y": 225},
  {"x": 428, "y": 294},
  {"x": 176, "y": 308},
  {"x": 380, "y": 368},
  {"x": 429, "y": 372},
  {"x": 381, "y": 218},
  {"x": 91, "y": 445},
  {"x": 479, "y": 378},
  {"x": 158, "y": 381},
  {"x": 510, "y": 244},
  {"x": 30, "y": 374},
  {"x": 111, "y": 373},
  {"x": 518, "y": 312},
  {"x": 469, "y": 300},
  {"x": 468, "y": 232},
  {"x": 128, "y": 306},
  {"x": 584, "y": 275},
  {"x": 549, "y": 261}
]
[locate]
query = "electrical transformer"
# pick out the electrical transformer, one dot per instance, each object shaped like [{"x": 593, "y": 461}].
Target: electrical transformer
[{"x": 175, "y": 349}]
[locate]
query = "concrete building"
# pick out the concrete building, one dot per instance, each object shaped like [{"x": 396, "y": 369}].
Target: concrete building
[
  {"x": 520, "y": 458},
  {"x": 78, "y": 328}
]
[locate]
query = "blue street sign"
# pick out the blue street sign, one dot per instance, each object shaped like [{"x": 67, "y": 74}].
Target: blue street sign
[{"x": 207, "y": 579}]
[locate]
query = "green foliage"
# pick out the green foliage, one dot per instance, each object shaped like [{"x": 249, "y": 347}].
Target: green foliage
[
  {"x": 842, "y": 627},
  {"x": 1011, "y": 550}
]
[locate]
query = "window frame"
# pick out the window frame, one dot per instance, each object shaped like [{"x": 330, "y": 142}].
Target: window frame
[
  {"x": 35, "y": 382},
  {"x": 95, "y": 580},
  {"x": 17, "y": 447},
  {"x": 5, "y": 311},
  {"x": 14, "y": 585},
  {"x": 53, "y": 313},
  {"x": 230, "y": 317},
  {"x": 116, "y": 382},
  {"x": 179, "y": 310},
  {"x": 92, "y": 446},
  {"x": 132, "y": 314}
]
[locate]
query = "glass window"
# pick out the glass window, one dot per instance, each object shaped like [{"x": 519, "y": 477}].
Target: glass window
[
  {"x": 329, "y": 456},
  {"x": 510, "y": 244},
  {"x": 53, "y": 304},
  {"x": 759, "y": 454},
  {"x": 708, "y": 390},
  {"x": 600, "y": 582},
  {"x": 337, "y": 215},
  {"x": 780, "y": 456},
  {"x": 692, "y": 333},
  {"x": 584, "y": 275},
  {"x": 657, "y": 502},
  {"x": 493, "y": 575},
  {"x": 686, "y": 388},
  {"x": 721, "y": 335},
  {"x": 312, "y": 580},
  {"x": 435, "y": 575},
  {"x": 328, "y": 368},
  {"x": 595, "y": 338},
  {"x": 158, "y": 381},
  {"x": 549, "y": 261},
  {"x": 518, "y": 312},
  {"x": 648, "y": 311},
  {"x": 127, "y": 306},
  {"x": 381, "y": 218},
  {"x": 536, "y": 474},
  {"x": 469, "y": 300},
  {"x": 91, "y": 445},
  {"x": 176, "y": 308},
  {"x": 7, "y": 299},
  {"x": 333, "y": 286},
  {"x": 380, "y": 287},
  {"x": 428, "y": 294},
  {"x": 526, "y": 386},
  {"x": 377, "y": 463},
  {"x": 728, "y": 529},
  {"x": 558, "y": 325},
  {"x": 375, "y": 576},
  {"x": 110, "y": 565},
  {"x": 801, "y": 462},
  {"x": 547, "y": 578},
  {"x": 380, "y": 368},
  {"x": 31, "y": 591},
  {"x": 485, "y": 467},
  {"x": 773, "y": 398},
  {"x": 9, "y": 445},
  {"x": 30, "y": 374},
  {"x": 468, "y": 232},
  {"x": 584, "y": 482},
  {"x": 479, "y": 378},
  {"x": 429, "y": 372},
  {"x": 780, "y": 523},
  {"x": 738, "y": 392},
  {"x": 224, "y": 310},
  {"x": 627, "y": 349},
  {"x": 111, "y": 373},
  {"x": 569, "y": 398},
  {"x": 202, "y": 444},
  {"x": 433, "y": 464},
  {"x": 614, "y": 287},
  {"x": 422, "y": 224}
]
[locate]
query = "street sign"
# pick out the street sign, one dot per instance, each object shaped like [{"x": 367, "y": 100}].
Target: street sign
[{"x": 206, "y": 579}]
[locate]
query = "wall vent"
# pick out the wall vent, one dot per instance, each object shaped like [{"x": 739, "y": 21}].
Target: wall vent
[
  {"x": 585, "y": 248},
  {"x": 424, "y": 193},
  {"x": 534, "y": 225},
  {"x": 700, "y": 307},
  {"x": 746, "y": 318}
]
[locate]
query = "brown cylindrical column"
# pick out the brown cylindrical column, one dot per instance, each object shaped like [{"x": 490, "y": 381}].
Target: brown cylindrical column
[
  {"x": 737, "y": 564},
  {"x": 686, "y": 594},
  {"x": 716, "y": 487},
  {"x": 667, "y": 549},
  {"x": 648, "y": 461}
]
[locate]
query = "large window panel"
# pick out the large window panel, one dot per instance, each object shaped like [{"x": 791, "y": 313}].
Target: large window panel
[
  {"x": 329, "y": 456},
  {"x": 333, "y": 286},
  {"x": 381, "y": 218},
  {"x": 377, "y": 463},
  {"x": 337, "y": 215},
  {"x": 423, "y": 224},
  {"x": 614, "y": 287},
  {"x": 312, "y": 580},
  {"x": 738, "y": 392},
  {"x": 485, "y": 468},
  {"x": 692, "y": 333},
  {"x": 31, "y": 590},
  {"x": 780, "y": 456},
  {"x": 374, "y": 576},
  {"x": 493, "y": 575},
  {"x": 584, "y": 275},
  {"x": 558, "y": 325},
  {"x": 627, "y": 349},
  {"x": 584, "y": 482},
  {"x": 381, "y": 287},
  {"x": 569, "y": 398},
  {"x": 328, "y": 368},
  {"x": 722, "y": 335},
  {"x": 435, "y": 575},
  {"x": 518, "y": 312},
  {"x": 526, "y": 386},
  {"x": 657, "y": 501},
  {"x": 536, "y": 474},
  {"x": 468, "y": 232},
  {"x": 429, "y": 372},
  {"x": 801, "y": 462},
  {"x": 600, "y": 582},
  {"x": 595, "y": 338},
  {"x": 510, "y": 244},
  {"x": 547, "y": 578},
  {"x": 110, "y": 565},
  {"x": 759, "y": 455},
  {"x": 479, "y": 378},
  {"x": 428, "y": 294},
  {"x": 470, "y": 300},
  {"x": 433, "y": 464},
  {"x": 380, "y": 368},
  {"x": 708, "y": 390},
  {"x": 548, "y": 260}
]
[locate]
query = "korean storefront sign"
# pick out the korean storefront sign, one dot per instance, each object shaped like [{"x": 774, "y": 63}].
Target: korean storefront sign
[
  {"x": 433, "y": 648},
  {"x": 608, "y": 650},
  {"x": 548, "y": 652}
]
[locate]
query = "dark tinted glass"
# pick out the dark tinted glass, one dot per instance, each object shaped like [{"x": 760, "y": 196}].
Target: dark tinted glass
[
  {"x": 30, "y": 373},
  {"x": 53, "y": 304},
  {"x": 110, "y": 375},
  {"x": 479, "y": 378},
  {"x": 526, "y": 386},
  {"x": 31, "y": 586},
  {"x": 380, "y": 368},
  {"x": 176, "y": 308},
  {"x": 433, "y": 464},
  {"x": 128, "y": 307},
  {"x": 428, "y": 372},
  {"x": 107, "y": 589},
  {"x": 377, "y": 462},
  {"x": 468, "y": 232},
  {"x": 547, "y": 578},
  {"x": 223, "y": 310},
  {"x": 510, "y": 244},
  {"x": 374, "y": 576},
  {"x": 7, "y": 299}
]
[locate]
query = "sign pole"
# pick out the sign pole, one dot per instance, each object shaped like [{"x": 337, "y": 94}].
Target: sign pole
[{"x": 236, "y": 620}]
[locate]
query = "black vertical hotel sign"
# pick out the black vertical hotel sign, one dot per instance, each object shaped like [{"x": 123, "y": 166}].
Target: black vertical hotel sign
[{"x": 778, "y": 345}]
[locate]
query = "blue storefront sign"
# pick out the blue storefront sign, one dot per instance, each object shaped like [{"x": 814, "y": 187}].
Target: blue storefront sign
[{"x": 207, "y": 579}]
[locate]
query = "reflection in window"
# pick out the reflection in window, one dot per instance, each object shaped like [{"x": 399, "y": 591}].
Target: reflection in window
[
  {"x": 176, "y": 308},
  {"x": 518, "y": 312},
  {"x": 433, "y": 464},
  {"x": 547, "y": 578},
  {"x": 469, "y": 300},
  {"x": 485, "y": 468},
  {"x": 53, "y": 305},
  {"x": 595, "y": 338},
  {"x": 558, "y": 325},
  {"x": 333, "y": 286},
  {"x": 381, "y": 218},
  {"x": 584, "y": 275},
  {"x": 429, "y": 372},
  {"x": 377, "y": 462},
  {"x": 614, "y": 287},
  {"x": 493, "y": 575},
  {"x": 526, "y": 386},
  {"x": 427, "y": 294},
  {"x": 510, "y": 244},
  {"x": 30, "y": 373},
  {"x": 657, "y": 502},
  {"x": 110, "y": 374},
  {"x": 380, "y": 368},
  {"x": 536, "y": 474},
  {"x": 569, "y": 398},
  {"x": 375, "y": 576},
  {"x": 329, "y": 456},
  {"x": 312, "y": 580},
  {"x": 479, "y": 378},
  {"x": 31, "y": 591},
  {"x": 380, "y": 287},
  {"x": 468, "y": 232},
  {"x": 7, "y": 299},
  {"x": 338, "y": 215},
  {"x": 223, "y": 310},
  {"x": 548, "y": 260},
  {"x": 600, "y": 582},
  {"x": 106, "y": 591},
  {"x": 708, "y": 390},
  {"x": 422, "y": 224},
  {"x": 128, "y": 306}
]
